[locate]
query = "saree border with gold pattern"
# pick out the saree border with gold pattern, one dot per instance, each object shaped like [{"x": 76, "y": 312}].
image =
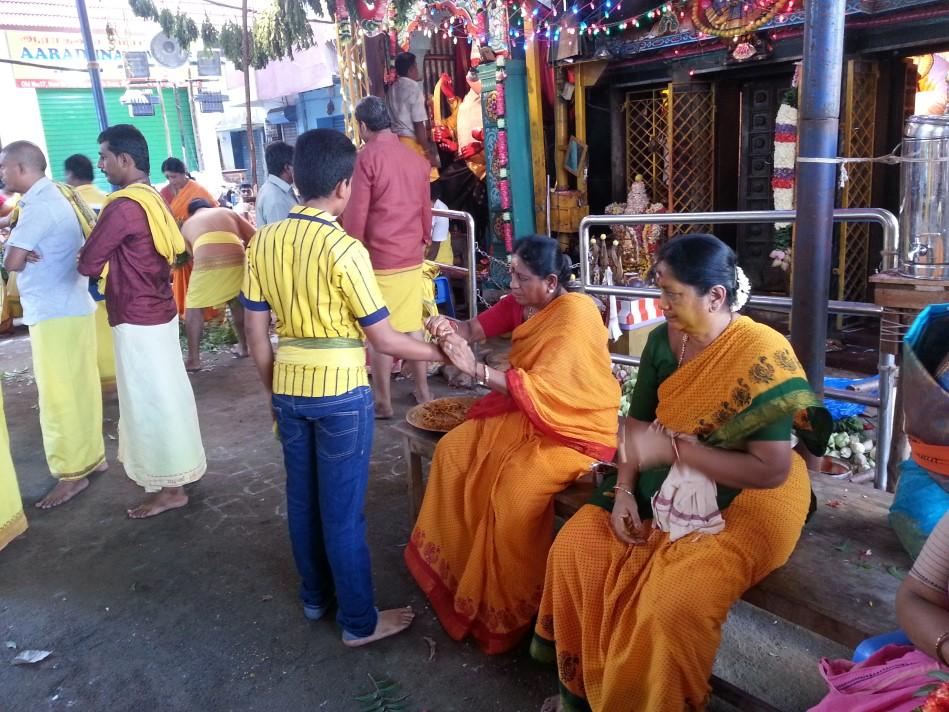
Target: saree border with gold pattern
[
  {"x": 478, "y": 550},
  {"x": 747, "y": 379}
]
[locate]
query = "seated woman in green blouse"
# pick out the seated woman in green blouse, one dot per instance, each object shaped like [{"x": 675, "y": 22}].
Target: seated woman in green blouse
[{"x": 632, "y": 613}]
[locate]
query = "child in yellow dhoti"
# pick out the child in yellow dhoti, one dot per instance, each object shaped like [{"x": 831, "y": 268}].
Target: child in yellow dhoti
[
  {"x": 58, "y": 309},
  {"x": 216, "y": 237}
]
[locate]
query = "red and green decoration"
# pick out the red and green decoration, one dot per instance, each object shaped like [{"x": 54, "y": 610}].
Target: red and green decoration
[{"x": 503, "y": 175}]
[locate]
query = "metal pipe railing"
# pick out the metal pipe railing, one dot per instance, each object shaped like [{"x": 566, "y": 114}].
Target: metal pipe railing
[
  {"x": 887, "y": 363},
  {"x": 471, "y": 248}
]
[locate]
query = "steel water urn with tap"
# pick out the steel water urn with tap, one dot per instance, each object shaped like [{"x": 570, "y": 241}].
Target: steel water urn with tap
[{"x": 924, "y": 203}]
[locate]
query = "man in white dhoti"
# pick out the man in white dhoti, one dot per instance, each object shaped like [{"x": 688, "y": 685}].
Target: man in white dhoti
[{"x": 136, "y": 241}]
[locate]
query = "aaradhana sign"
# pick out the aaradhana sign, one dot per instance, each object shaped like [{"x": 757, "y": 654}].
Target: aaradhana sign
[{"x": 59, "y": 51}]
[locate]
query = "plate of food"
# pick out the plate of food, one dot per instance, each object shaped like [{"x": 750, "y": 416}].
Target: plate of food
[{"x": 442, "y": 414}]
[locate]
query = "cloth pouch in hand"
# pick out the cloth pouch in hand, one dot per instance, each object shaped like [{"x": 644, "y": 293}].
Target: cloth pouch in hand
[{"x": 686, "y": 504}]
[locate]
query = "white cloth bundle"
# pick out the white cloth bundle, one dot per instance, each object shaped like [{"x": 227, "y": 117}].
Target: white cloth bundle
[
  {"x": 686, "y": 503},
  {"x": 612, "y": 312}
]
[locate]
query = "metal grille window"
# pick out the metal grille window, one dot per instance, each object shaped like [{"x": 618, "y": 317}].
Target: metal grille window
[
  {"x": 289, "y": 133},
  {"x": 670, "y": 141},
  {"x": 857, "y": 139}
]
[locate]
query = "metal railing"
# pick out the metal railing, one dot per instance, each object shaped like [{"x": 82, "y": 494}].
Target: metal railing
[
  {"x": 886, "y": 401},
  {"x": 471, "y": 249}
]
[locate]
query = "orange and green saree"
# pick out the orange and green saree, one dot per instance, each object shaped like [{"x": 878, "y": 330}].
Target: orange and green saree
[
  {"x": 178, "y": 204},
  {"x": 480, "y": 544},
  {"x": 637, "y": 627}
]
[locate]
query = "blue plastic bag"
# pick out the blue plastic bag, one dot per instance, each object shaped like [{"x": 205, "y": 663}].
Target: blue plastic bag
[
  {"x": 839, "y": 409},
  {"x": 919, "y": 504}
]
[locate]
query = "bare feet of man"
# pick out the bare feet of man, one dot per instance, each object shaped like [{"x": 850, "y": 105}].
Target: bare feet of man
[
  {"x": 193, "y": 365},
  {"x": 161, "y": 501},
  {"x": 64, "y": 491},
  {"x": 390, "y": 622}
]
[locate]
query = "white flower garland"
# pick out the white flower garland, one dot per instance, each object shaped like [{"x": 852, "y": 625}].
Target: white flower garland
[
  {"x": 784, "y": 174},
  {"x": 743, "y": 289}
]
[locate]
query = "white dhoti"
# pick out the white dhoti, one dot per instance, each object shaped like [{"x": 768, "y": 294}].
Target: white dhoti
[{"x": 159, "y": 435}]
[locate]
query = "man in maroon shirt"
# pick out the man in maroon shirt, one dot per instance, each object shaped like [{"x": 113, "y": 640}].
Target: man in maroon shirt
[
  {"x": 138, "y": 240},
  {"x": 390, "y": 212}
]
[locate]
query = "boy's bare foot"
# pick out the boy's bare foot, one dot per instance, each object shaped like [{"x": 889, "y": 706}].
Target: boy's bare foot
[
  {"x": 552, "y": 704},
  {"x": 422, "y": 397},
  {"x": 193, "y": 365},
  {"x": 384, "y": 413},
  {"x": 167, "y": 498},
  {"x": 239, "y": 351},
  {"x": 390, "y": 622},
  {"x": 64, "y": 491}
]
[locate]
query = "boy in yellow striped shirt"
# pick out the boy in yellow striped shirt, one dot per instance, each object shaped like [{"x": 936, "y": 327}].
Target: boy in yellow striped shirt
[{"x": 319, "y": 283}]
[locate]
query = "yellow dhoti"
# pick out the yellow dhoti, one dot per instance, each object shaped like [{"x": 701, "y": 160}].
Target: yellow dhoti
[
  {"x": 215, "y": 279},
  {"x": 403, "y": 294},
  {"x": 67, "y": 379},
  {"x": 429, "y": 273},
  {"x": 413, "y": 143},
  {"x": 12, "y": 519},
  {"x": 10, "y": 308},
  {"x": 105, "y": 352}
]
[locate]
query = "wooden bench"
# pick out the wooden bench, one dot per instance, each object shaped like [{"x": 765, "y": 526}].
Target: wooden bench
[{"x": 840, "y": 582}]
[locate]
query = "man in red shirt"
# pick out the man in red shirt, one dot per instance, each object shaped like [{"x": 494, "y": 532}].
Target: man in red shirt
[
  {"x": 138, "y": 240},
  {"x": 390, "y": 212}
]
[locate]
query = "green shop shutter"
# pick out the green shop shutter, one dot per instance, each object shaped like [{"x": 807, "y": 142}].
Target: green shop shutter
[{"x": 70, "y": 124}]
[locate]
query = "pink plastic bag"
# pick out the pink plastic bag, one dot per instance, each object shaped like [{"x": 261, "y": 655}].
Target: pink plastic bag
[{"x": 885, "y": 682}]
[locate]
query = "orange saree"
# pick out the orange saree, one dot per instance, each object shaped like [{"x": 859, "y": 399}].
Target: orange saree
[
  {"x": 637, "y": 627},
  {"x": 479, "y": 548},
  {"x": 178, "y": 204}
]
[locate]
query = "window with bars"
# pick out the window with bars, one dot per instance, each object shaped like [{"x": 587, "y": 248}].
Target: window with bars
[{"x": 670, "y": 141}]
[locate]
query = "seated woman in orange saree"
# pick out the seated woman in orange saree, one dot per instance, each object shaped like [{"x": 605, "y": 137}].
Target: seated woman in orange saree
[
  {"x": 631, "y": 613},
  {"x": 481, "y": 540},
  {"x": 179, "y": 192}
]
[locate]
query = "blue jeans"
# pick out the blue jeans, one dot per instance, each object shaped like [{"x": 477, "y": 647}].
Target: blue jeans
[{"x": 326, "y": 447}]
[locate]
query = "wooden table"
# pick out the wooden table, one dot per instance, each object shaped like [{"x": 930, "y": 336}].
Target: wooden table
[{"x": 417, "y": 444}]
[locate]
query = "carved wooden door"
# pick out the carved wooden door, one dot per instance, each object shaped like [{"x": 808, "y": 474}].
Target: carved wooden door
[{"x": 760, "y": 102}]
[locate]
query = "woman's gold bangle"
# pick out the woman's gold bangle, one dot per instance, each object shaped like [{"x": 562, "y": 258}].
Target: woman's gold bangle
[{"x": 939, "y": 641}]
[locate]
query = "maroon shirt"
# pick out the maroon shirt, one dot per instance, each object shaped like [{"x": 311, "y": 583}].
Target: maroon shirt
[
  {"x": 390, "y": 209},
  {"x": 138, "y": 286}
]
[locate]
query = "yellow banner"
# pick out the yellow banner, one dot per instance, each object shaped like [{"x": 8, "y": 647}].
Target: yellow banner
[{"x": 59, "y": 52}]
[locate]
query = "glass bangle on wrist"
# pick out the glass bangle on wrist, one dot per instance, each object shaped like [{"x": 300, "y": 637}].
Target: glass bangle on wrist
[
  {"x": 939, "y": 642},
  {"x": 620, "y": 488}
]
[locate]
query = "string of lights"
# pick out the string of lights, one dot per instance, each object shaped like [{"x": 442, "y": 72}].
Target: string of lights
[{"x": 591, "y": 18}]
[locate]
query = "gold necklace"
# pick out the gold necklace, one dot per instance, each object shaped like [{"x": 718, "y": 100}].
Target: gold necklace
[
  {"x": 685, "y": 338},
  {"x": 685, "y": 342}
]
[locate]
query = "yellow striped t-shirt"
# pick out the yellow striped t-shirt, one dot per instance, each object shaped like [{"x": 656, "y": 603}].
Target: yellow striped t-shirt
[{"x": 319, "y": 283}]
